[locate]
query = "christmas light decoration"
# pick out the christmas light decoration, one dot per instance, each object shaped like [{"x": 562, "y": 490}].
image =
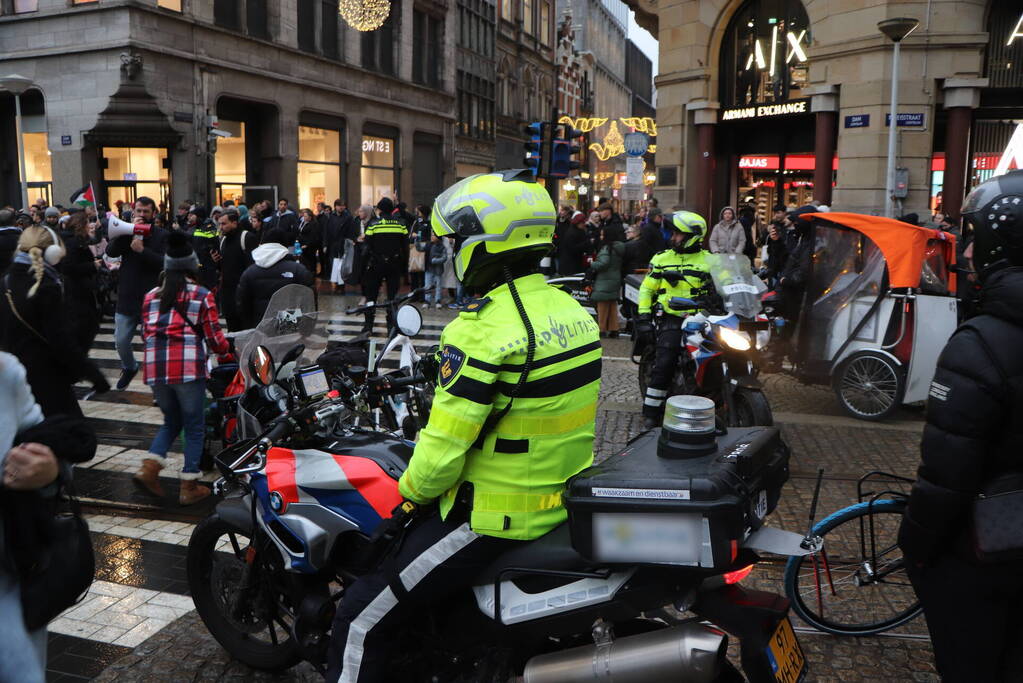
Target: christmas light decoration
[
  {"x": 364, "y": 15},
  {"x": 582, "y": 123},
  {"x": 642, "y": 124},
  {"x": 613, "y": 145}
]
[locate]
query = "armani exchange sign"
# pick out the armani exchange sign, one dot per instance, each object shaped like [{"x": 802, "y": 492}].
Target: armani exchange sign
[{"x": 767, "y": 110}]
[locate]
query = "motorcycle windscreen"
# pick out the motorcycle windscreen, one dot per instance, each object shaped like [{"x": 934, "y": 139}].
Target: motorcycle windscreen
[
  {"x": 290, "y": 319},
  {"x": 736, "y": 284},
  {"x": 846, "y": 279}
]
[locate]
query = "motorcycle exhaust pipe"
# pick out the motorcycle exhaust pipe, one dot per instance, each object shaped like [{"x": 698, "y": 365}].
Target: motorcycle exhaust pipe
[{"x": 689, "y": 652}]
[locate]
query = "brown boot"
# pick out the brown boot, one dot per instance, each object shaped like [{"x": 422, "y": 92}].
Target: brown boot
[
  {"x": 148, "y": 477},
  {"x": 192, "y": 492}
]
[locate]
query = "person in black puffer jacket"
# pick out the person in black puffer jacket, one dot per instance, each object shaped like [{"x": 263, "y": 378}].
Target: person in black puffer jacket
[
  {"x": 79, "y": 267},
  {"x": 33, "y": 327},
  {"x": 972, "y": 438},
  {"x": 273, "y": 268}
]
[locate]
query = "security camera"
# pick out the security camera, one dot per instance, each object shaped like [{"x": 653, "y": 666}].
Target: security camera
[{"x": 220, "y": 133}]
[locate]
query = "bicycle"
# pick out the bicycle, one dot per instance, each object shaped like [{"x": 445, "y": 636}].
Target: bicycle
[{"x": 858, "y": 586}]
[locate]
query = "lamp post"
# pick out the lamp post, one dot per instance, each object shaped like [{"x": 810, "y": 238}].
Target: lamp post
[
  {"x": 16, "y": 85},
  {"x": 896, "y": 29}
]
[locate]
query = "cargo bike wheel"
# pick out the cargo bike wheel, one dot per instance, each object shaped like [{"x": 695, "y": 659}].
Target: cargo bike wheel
[
  {"x": 870, "y": 385},
  {"x": 857, "y": 584}
]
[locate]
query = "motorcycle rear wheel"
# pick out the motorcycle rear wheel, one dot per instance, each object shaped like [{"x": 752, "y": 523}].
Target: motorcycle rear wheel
[{"x": 250, "y": 636}]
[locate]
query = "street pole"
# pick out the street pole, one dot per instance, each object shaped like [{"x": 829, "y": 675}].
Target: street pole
[
  {"x": 551, "y": 183},
  {"x": 896, "y": 29},
  {"x": 21, "y": 151},
  {"x": 893, "y": 126}
]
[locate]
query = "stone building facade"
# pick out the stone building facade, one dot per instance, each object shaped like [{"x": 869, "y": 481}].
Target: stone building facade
[
  {"x": 124, "y": 92},
  {"x": 783, "y": 101}
]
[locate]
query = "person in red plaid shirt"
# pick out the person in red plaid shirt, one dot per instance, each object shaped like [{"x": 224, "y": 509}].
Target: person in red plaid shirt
[{"x": 179, "y": 322}]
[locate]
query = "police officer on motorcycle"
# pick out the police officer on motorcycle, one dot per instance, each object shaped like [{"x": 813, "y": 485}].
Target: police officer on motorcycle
[
  {"x": 679, "y": 271},
  {"x": 971, "y": 446},
  {"x": 512, "y": 419}
]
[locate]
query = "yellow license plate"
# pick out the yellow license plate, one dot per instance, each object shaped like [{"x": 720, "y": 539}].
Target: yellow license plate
[{"x": 786, "y": 655}]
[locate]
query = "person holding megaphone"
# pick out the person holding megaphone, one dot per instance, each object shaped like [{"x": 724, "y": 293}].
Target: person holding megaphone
[{"x": 141, "y": 247}]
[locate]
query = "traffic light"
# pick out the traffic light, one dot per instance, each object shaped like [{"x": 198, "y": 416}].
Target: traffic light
[
  {"x": 534, "y": 147},
  {"x": 563, "y": 156}
]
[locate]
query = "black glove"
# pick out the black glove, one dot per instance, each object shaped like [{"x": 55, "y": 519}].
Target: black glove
[{"x": 644, "y": 325}]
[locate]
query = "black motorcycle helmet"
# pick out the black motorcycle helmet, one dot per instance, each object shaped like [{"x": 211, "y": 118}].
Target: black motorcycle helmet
[{"x": 995, "y": 212}]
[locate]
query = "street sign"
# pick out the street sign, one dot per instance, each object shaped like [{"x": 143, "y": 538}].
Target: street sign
[
  {"x": 65, "y": 140},
  {"x": 631, "y": 192},
  {"x": 636, "y": 144},
  {"x": 858, "y": 121},
  {"x": 131, "y": 176},
  {"x": 634, "y": 167},
  {"x": 915, "y": 120}
]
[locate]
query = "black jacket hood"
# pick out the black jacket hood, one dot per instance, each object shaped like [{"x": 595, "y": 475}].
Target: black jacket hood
[{"x": 1002, "y": 295}]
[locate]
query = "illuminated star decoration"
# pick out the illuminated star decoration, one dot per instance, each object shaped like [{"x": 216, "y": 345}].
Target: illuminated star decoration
[{"x": 364, "y": 15}]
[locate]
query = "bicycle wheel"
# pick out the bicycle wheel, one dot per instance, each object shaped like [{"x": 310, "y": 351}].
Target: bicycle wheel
[{"x": 857, "y": 585}]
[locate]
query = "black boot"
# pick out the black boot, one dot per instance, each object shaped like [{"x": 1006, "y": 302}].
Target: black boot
[{"x": 367, "y": 326}]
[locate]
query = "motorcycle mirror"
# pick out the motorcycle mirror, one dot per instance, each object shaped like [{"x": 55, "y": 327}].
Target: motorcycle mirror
[
  {"x": 293, "y": 354},
  {"x": 261, "y": 366},
  {"x": 409, "y": 320}
]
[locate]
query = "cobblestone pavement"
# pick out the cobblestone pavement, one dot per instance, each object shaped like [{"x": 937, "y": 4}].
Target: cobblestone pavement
[{"x": 144, "y": 637}]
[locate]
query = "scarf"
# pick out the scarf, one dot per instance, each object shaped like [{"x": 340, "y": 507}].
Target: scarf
[{"x": 23, "y": 257}]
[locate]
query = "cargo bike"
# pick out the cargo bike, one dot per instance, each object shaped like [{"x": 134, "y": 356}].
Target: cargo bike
[{"x": 878, "y": 306}]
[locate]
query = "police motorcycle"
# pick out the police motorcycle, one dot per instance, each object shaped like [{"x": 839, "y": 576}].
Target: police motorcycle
[
  {"x": 723, "y": 341},
  {"x": 643, "y": 583}
]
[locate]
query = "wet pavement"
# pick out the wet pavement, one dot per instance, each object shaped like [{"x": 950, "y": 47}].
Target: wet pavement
[{"x": 137, "y": 623}]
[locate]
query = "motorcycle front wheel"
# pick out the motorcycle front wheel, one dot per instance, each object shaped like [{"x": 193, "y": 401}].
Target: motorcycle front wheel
[
  {"x": 751, "y": 409},
  {"x": 239, "y": 601}
]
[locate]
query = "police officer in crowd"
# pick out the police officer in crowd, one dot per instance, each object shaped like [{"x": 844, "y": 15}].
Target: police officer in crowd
[
  {"x": 386, "y": 239},
  {"x": 512, "y": 419},
  {"x": 971, "y": 446},
  {"x": 679, "y": 271}
]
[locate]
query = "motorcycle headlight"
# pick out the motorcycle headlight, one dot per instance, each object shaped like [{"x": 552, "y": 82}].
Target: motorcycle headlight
[{"x": 734, "y": 339}]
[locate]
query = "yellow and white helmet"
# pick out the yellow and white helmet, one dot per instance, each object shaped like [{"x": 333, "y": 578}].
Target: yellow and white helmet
[{"x": 498, "y": 219}]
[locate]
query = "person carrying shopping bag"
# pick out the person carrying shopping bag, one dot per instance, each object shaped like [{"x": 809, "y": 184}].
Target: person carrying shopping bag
[{"x": 177, "y": 318}]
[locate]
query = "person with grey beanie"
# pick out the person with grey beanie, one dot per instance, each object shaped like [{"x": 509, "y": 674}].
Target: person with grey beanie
[{"x": 177, "y": 317}]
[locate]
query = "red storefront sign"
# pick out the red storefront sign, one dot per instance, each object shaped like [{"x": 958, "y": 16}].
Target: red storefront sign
[{"x": 771, "y": 162}]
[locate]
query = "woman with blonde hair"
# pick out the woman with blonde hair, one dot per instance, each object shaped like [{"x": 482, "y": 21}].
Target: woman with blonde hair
[{"x": 33, "y": 326}]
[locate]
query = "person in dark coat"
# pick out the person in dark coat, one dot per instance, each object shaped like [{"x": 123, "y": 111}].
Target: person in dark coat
[
  {"x": 284, "y": 219},
  {"x": 748, "y": 220},
  {"x": 273, "y": 267},
  {"x": 640, "y": 249},
  {"x": 971, "y": 446},
  {"x": 776, "y": 254},
  {"x": 206, "y": 244},
  {"x": 79, "y": 267},
  {"x": 323, "y": 222},
  {"x": 34, "y": 328},
  {"x": 311, "y": 239},
  {"x": 9, "y": 235},
  {"x": 574, "y": 245},
  {"x": 233, "y": 258},
  {"x": 141, "y": 264}
]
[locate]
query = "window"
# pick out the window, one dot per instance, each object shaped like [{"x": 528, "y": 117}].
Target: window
[
  {"x": 174, "y": 5},
  {"x": 527, "y": 17},
  {"x": 133, "y": 172},
  {"x": 545, "y": 23},
  {"x": 255, "y": 19},
  {"x": 378, "y": 161},
  {"x": 328, "y": 30},
  {"x": 378, "y": 46},
  {"x": 475, "y": 106},
  {"x": 85, "y": 2},
  {"x": 426, "y": 49},
  {"x": 319, "y": 166},
  {"x": 507, "y": 12},
  {"x": 21, "y": 6},
  {"x": 226, "y": 15},
  {"x": 38, "y": 169},
  {"x": 229, "y": 162},
  {"x": 307, "y": 25}
]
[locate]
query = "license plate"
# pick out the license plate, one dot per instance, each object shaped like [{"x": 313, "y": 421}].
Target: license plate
[{"x": 786, "y": 655}]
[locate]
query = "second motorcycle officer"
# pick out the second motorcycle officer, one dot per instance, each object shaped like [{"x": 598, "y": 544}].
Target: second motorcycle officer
[
  {"x": 512, "y": 419},
  {"x": 679, "y": 271}
]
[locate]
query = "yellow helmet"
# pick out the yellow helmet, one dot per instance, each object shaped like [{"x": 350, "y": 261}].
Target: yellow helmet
[
  {"x": 498, "y": 219},
  {"x": 691, "y": 225}
]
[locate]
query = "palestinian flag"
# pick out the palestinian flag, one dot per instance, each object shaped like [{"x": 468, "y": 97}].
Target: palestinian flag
[{"x": 84, "y": 196}]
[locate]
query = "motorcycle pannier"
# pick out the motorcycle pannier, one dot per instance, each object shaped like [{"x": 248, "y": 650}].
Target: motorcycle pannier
[{"x": 655, "y": 504}]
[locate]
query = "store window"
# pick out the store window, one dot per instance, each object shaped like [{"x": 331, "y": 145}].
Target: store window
[
  {"x": 1005, "y": 49},
  {"x": 763, "y": 56},
  {"x": 319, "y": 166},
  {"x": 133, "y": 172},
  {"x": 378, "y": 168},
  {"x": 38, "y": 168},
  {"x": 229, "y": 162}
]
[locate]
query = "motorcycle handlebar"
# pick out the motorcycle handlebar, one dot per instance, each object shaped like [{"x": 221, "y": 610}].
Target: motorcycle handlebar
[
  {"x": 384, "y": 304},
  {"x": 399, "y": 384},
  {"x": 280, "y": 430}
]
